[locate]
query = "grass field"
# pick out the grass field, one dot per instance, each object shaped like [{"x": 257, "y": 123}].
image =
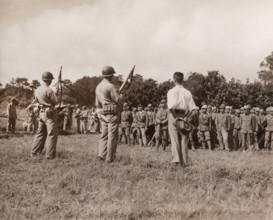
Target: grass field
[{"x": 140, "y": 184}]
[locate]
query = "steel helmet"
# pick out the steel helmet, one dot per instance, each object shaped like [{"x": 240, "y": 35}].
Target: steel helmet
[
  {"x": 108, "y": 71},
  {"x": 47, "y": 76}
]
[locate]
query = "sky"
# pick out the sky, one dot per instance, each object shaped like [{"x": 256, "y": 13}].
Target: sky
[{"x": 160, "y": 37}]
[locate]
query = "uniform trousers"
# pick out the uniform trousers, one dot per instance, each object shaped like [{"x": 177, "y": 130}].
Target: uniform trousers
[
  {"x": 47, "y": 133},
  {"x": 247, "y": 137},
  {"x": 126, "y": 133},
  {"x": 109, "y": 137},
  {"x": 83, "y": 126},
  {"x": 222, "y": 136},
  {"x": 161, "y": 136},
  {"x": 237, "y": 138},
  {"x": 11, "y": 124},
  {"x": 268, "y": 139},
  {"x": 32, "y": 125},
  {"x": 179, "y": 143},
  {"x": 141, "y": 132}
]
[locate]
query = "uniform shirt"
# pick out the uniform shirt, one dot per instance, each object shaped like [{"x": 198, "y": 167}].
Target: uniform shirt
[
  {"x": 223, "y": 120},
  {"x": 11, "y": 111},
  {"x": 204, "y": 122},
  {"x": 141, "y": 118},
  {"x": 106, "y": 94},
  {"x": 237, "y": 122},
  {"x": 126, "y": 119},
  {"x": 151, "y": 118},
  {"x": 248, "y": 124},
  {"x": 269, "y": 122},
  {"x": 78, "y": 113},
  {"x": 44, "y": 95},
  {"x": 83, "y": 115},
  {"x": 180, "y": 98}
]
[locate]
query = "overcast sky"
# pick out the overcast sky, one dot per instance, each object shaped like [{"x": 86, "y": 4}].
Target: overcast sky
[{"x": 158, "y": 36}]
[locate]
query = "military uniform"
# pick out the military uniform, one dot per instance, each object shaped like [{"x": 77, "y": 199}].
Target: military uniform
[
  {"x": 83, "y": 120},
  {"x": 12, "y": 116},
  {"x": 151, "y": 116},
  {"x": 237, "y": 137},
  {"x": 268, "y": 123},
  {"x": 223, "y": 126},
  {"x": 204, "y": 128},
  {"x": 47, "y": 132},
  {"x": 68, "y": 111},
  {"x": 162, "y": 126},
  {"x": 142, "y": 123},
  {"x": 78, "y": 119},
  {"x": 126, "y": 121},
  {"x": 106, "y": 100},
  {"x": 193, "y": 135},
  {"x": 32, "y": 119},
  {"x": 248, "y": 127}
]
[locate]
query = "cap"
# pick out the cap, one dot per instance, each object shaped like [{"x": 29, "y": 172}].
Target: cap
[
  {"x": 204, "y": 107},
  {"x": 150, "y": 106},
  {"x": 222, "y": 106},
  {"x": 163, "y": 101},
  {"x": 237, "y": 111},
  {"x": 247, "y": 107}
]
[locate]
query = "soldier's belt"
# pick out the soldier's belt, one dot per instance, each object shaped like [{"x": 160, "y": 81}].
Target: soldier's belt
[{"x": 109, "y": 109}]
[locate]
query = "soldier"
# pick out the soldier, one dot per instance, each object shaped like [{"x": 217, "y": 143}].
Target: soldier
[
  {"x": 261, "y": 129},
  {"x": 11, "y": 115},
  {"x": 68, "y": 111},
  {"x": 230, "y": 133},
  {"x": 204, "y": 127},
  {"x": 242, "y": 111},
  {"x": 213, "y": 127},
  {"x": 126, "y": 121},
  {"x": 223, "y": 125},
  {"x": 151, "y": 123},
  {"x": 268, "y": 124},
  {"x": 83, "y": 120},
  {"x": 78, "y": 118},
  {"x": 107, "y": 100},
  {"x": 162, "y": 125},
  {"x": 142, "y": 123},
  {"x": 237, "y": 130},
  {"x": 31, "y": 118},
  {"x": 180, "y": 105},
  {"x": 47, "y": 131},
  {"x": 248, "y": 127},
  {"x": 134, "y": 127}
]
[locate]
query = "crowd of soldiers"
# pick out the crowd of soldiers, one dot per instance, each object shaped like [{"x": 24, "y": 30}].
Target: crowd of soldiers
[{"x": 224, "y": 128}]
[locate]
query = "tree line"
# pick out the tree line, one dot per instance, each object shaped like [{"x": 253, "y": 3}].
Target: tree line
[{"x": 211, "y": 89}]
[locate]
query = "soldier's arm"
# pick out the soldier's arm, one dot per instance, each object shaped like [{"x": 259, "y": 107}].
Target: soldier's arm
[
  {"x": 53, "y": 98},
  {"x": 114, "y": 94}
]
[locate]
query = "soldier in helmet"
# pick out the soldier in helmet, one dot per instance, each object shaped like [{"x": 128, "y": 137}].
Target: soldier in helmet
[
  {"x": 142, "y": 123},
  {"x": 107, "y": 101},
  {"x": 162, "y": 125},
  {"x": 126, "y": 121},
  {"x": 12, "y": 115},
  {"x": 204, "y": 127},
  {"x": 47, "y": 132}
]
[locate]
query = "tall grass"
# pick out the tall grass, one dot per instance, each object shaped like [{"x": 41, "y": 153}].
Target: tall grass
[{"x": 140, "y": 184}]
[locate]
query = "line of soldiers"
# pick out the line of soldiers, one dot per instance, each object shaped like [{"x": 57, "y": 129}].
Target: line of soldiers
[
  {"x": 224, "y": 128},
  {"x": 145, "y": 126}
]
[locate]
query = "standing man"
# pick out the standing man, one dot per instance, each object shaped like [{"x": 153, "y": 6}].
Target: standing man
[
  {"x": 107, "y": 100},
  {"x": 47, "y": 131},
  {"x": 31, "y": 118},
  {"x": 68, "y": 111},
  {"x": 237, "y": 137},
  {"x": 162, "y": 125},
  {"x": 12, "y": 115},
  {"x": 204, "y": 127},
  {"x": 78, "y": 119},
  {"x": 126, "y": 121},
  {"x": 142, "y": 123},
  {"x": 151, "y": 123},
  {"x": 180, "y": 104},
  {"x": 223, "y": 125},
  {"x": 248, "y": 127},
  {"x": 84, "y": 120}
]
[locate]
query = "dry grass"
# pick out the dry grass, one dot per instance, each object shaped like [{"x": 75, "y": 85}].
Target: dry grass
[{"x": 140, "y": 184}]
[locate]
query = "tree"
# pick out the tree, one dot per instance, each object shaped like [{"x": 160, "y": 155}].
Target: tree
[
  {"x": 35, "y": 84},
  {"x": 266, "y": 72},
  {"x": 20, "y": 82}
]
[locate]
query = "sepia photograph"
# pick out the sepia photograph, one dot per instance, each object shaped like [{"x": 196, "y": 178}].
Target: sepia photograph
[{"x": 136, "y": 109}]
